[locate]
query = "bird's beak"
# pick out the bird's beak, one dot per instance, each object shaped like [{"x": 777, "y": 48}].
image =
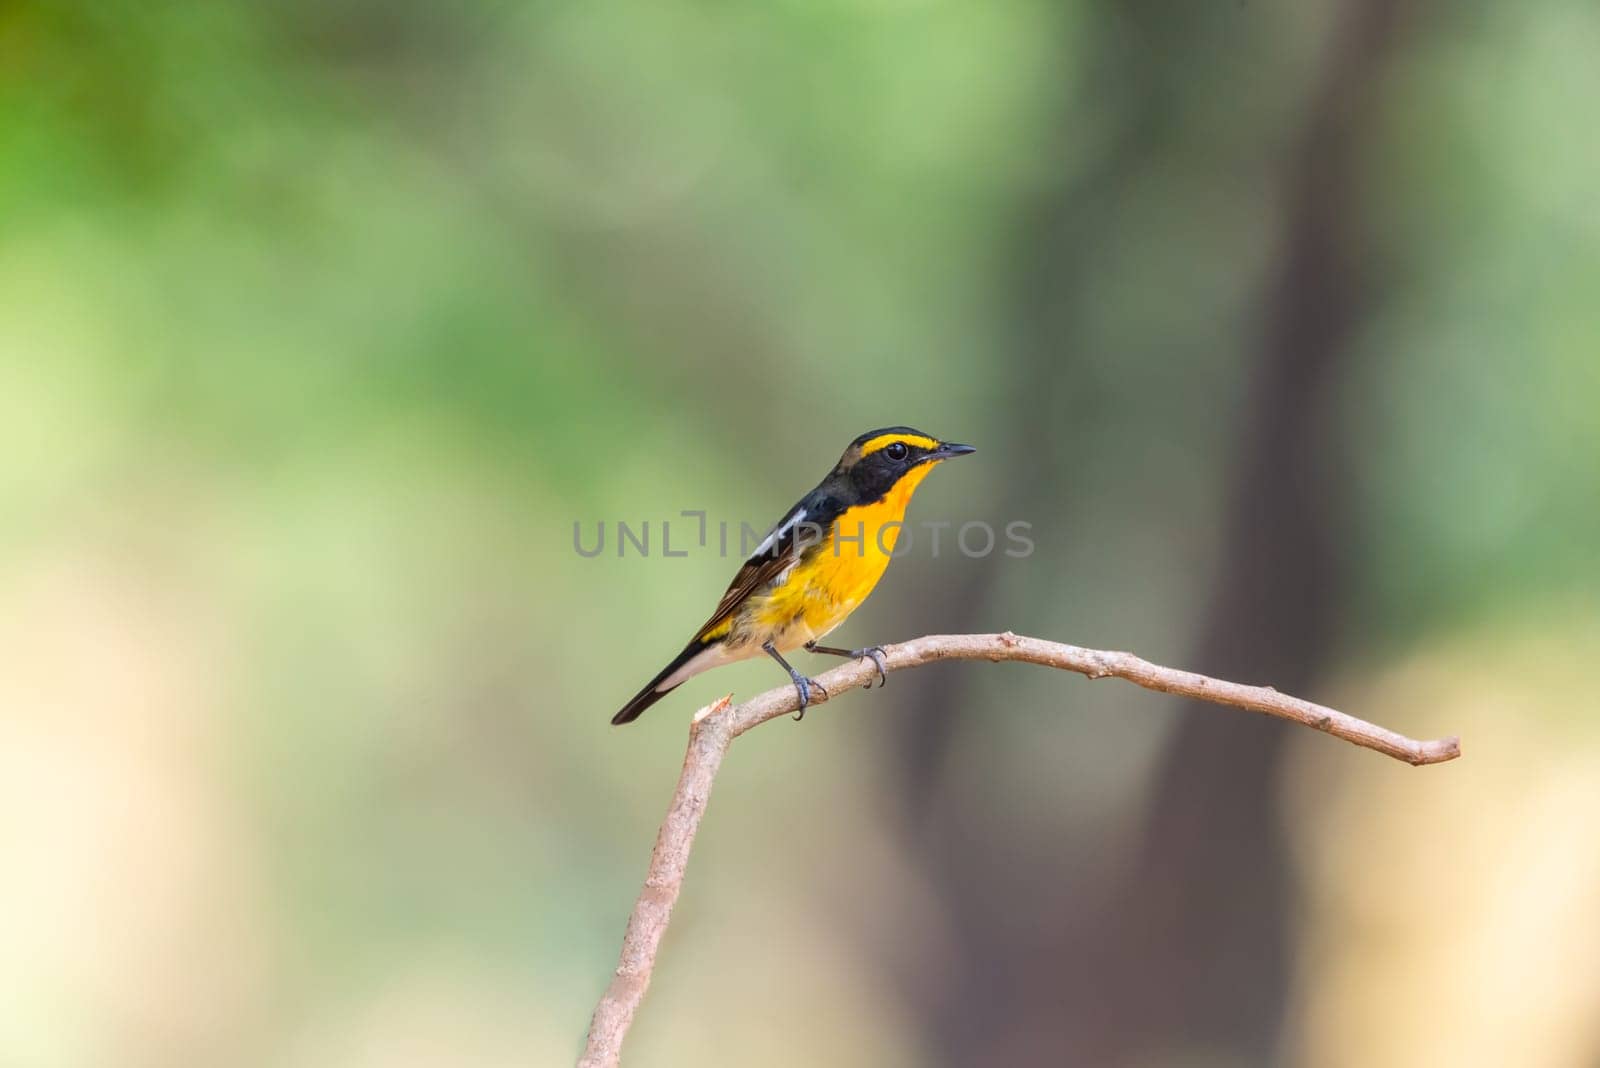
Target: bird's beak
[{"x": 949, "y": 449}]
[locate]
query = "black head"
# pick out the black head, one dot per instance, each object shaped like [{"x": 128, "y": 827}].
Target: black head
[{"x": 879, "y": 459}]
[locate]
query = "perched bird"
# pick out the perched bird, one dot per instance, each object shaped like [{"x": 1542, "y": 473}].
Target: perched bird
[{"x": 815, "y": 568}]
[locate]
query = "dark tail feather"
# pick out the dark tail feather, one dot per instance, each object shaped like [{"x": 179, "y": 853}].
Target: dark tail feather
[{"x": 650, "y": 695}]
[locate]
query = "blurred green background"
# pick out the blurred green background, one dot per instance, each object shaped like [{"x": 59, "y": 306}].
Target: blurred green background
[{"x": 322, "y": 324}]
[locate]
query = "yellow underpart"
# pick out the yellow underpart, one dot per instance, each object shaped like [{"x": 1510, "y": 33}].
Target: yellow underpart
[
  {"x": 822, "y": 592},
  {"x": 872, "y": 445}
]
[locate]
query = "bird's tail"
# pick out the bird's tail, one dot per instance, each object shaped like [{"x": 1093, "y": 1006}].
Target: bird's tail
[{"x": 667, "y": 679}]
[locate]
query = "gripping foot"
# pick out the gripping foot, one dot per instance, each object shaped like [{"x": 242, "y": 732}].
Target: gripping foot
[
  {"x": 803, "y": 686},
  {"x": 872, "y": 652}
]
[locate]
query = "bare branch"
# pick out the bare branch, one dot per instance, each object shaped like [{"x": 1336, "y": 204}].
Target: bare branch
[{"x": 716, "y": 726}]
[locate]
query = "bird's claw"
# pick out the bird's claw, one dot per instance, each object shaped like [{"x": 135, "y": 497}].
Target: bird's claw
[
  {"x": 803, "y": 686},
  {"x": 876, "y": 655}
]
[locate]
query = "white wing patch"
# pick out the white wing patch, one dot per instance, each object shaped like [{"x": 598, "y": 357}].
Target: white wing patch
[{"x": 772, "y": 539}]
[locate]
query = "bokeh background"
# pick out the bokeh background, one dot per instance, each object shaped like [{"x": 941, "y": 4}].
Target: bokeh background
[{"x": 321, "y": 324}]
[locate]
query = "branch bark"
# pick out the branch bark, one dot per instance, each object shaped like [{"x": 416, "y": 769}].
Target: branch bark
[{"x": 714, "y": 728}]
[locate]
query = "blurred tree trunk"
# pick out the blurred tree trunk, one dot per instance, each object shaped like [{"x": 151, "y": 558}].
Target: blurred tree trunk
[
  {"x": 1188, "y": 955},
  {"x": 1198, "y": 946}
]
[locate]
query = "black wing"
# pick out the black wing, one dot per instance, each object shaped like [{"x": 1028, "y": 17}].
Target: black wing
[{"x": 798, "y": 531}]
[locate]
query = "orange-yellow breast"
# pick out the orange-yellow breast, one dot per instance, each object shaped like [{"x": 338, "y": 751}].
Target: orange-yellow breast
[{"x": 822, "y": 592}]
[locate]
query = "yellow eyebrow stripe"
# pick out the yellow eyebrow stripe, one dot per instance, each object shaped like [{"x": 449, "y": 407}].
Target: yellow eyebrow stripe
[{"x": 916, "y": 440}]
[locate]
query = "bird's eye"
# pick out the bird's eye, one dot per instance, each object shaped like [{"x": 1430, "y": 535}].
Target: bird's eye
[{"x": 895, "y": 450}]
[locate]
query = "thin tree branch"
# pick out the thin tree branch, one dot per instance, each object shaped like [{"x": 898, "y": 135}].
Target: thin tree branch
[{"x": 716, "y": 726}]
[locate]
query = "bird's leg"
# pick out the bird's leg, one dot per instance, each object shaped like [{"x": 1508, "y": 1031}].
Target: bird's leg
[
  {"x": 875, "y": 652},
  {"x": 803, "y": 686}
]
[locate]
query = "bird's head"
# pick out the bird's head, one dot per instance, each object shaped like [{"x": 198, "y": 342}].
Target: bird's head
[{"x": 879, "y": 459}]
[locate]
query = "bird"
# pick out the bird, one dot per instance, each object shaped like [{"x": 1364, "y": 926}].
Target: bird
[{"x": 817, "y": 565}]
